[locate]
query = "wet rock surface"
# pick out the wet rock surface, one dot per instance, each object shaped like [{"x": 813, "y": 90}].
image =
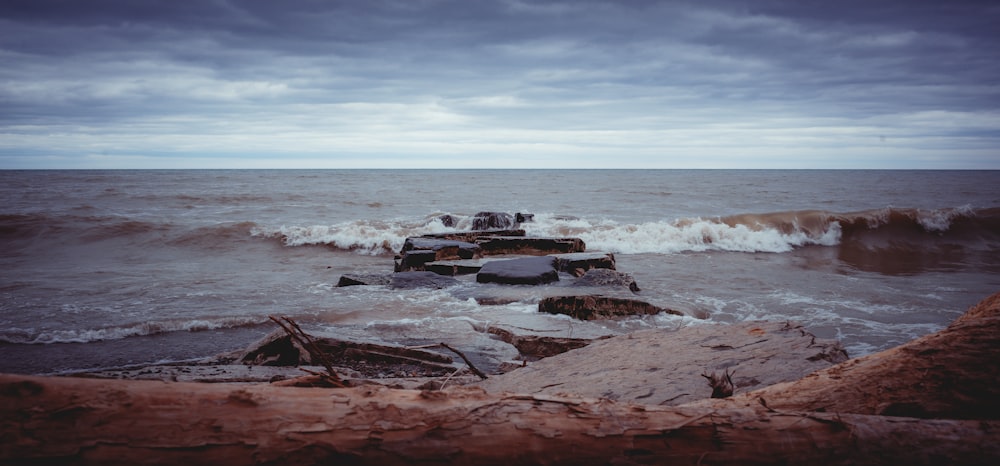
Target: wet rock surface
[
  {"x": 524, "y": 271},
  {"x": 666, "y": 367},
  {"x": 493, "y": 221}
]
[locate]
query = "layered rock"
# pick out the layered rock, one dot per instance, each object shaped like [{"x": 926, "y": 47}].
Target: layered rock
[
  {"x": 534, "y": 246},
  {"x": 419, "y": 251},
  {"x": 472, "y": 236}
]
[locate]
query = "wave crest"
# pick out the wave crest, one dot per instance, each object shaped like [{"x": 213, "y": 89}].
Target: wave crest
[{"x": 32, "y": 337}]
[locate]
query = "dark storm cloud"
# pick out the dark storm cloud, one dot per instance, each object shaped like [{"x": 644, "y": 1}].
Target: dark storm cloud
[{"x": 484, "y": 83}]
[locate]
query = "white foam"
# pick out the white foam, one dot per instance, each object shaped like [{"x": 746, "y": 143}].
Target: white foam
[
  {"x": 362, "y": 236},
  {"x": 680, "y": 235},
  {"x": 30, "y": 337},
  {"x": 940, "y": 220}
]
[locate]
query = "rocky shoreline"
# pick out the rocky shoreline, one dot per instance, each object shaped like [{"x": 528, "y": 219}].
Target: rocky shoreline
[
  {"x": 503, "y": 263},
  {"x": 742, "y": 393},
  {"x": 931, "y": 401}
]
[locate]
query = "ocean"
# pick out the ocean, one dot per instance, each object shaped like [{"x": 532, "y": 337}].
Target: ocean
[{"x": 103, "y": 269}]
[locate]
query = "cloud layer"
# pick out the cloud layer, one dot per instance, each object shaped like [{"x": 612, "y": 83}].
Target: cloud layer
[{"x": 426, "y": 83}]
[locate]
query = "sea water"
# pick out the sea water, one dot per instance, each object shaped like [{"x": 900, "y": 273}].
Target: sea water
[{"x": 113, "y": 268}]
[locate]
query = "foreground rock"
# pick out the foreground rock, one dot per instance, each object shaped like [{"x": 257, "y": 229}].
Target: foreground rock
[
  {"x": 47, "y": 420},
  {"x": 663, "y": 367},
  {"x": 951, "y": 374},
  {"x": 591, "y": 307}
]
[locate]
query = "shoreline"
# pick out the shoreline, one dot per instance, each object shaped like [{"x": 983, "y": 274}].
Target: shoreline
[{"x": 919, "y": 403}]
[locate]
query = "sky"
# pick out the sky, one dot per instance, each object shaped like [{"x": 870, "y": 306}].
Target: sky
[{"x": 908, "y": 84}]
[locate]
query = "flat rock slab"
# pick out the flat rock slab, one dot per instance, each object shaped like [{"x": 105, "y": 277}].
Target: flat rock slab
[
  {"x": 527, "y": 245},
  {"x": 524, "y": 271},
  {"x": 578, "y": 263},
  {"x": 665, "y": 367}
]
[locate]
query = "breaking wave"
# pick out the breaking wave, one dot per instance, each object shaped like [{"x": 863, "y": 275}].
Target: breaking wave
[
  {"x": 771, "y": 232},
  {"x": 33, "y": 337}
]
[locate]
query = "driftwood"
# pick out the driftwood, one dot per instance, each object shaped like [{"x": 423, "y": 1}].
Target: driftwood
[{"x": 80, "y": 421}]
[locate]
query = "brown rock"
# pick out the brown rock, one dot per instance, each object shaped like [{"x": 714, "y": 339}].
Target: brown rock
[
  {"x": 589, "y": 307},
  {"x": 951, "y": 374}
]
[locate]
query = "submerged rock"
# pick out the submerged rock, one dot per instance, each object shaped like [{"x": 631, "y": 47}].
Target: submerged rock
[
  {"x": 413, "y": 280},
  {"x": 607, "y": 278},
  {"x": 590, "y": 307},
  {"x": 524, "y": 271},
  {"x": 578, "y": 263},
  {"x": 353, "y": 279},
  {"x": 448, "y": 220}
]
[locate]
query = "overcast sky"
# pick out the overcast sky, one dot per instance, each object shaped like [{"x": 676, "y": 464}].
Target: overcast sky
[{"x": 514, "y": 83}]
